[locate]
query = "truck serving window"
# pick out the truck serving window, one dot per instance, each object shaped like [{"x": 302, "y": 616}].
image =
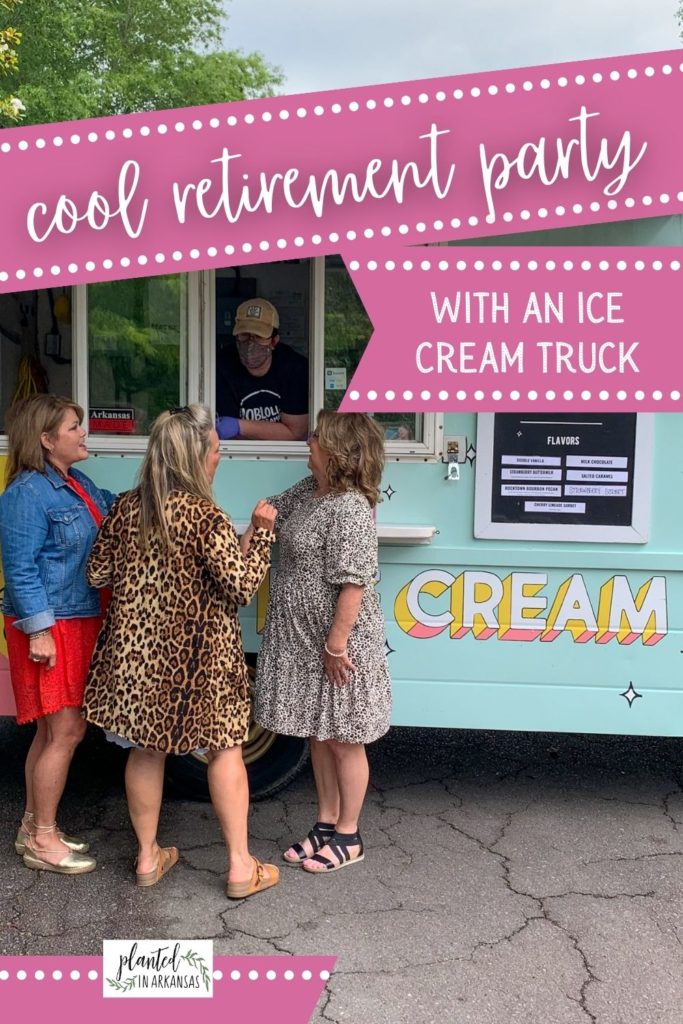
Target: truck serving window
[
  {"x": 288, "y": 338},
  {"x": 262, "y": 351},
  {"x": 137, "y": 347}
]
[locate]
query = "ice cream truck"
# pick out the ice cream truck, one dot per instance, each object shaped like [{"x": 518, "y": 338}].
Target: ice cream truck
[{"x": 531, "y": 565}]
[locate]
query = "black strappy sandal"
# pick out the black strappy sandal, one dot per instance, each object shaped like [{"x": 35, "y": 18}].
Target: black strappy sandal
[
  {"x": 319, "y": 836},
  {"x": 339, "y": 844}
]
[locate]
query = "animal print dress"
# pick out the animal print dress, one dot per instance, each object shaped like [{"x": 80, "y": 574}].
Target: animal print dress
[
  {"x": 324, "y": 543},
  {"x": 168, "y": 672}
]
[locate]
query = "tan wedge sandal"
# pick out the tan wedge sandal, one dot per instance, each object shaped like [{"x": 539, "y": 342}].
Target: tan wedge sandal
[
  {"x": 264, "y": 876},
  {"x": 168, "y": 856}
]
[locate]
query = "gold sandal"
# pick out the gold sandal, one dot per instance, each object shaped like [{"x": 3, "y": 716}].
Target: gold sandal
[
  {"x": 72, "y": 864},
  {"x": 74, "y": 843},
  {"x": 168, "y": 856},
  {"x": 264, "y": 876}
]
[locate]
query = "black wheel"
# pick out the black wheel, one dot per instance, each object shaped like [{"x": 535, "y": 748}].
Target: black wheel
[{"x": 272, "y": 762}]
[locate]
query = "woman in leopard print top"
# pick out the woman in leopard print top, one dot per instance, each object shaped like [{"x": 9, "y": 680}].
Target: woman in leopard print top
[{"x": 168, "y": 673}]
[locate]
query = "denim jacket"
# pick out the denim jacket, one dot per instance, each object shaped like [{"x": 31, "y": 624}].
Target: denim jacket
[{"x": 46, "y": 533}]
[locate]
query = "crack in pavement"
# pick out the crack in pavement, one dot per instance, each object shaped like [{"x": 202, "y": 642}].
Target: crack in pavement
[
  {"x": 599, "y": 895},
  {"x": 393, "y": 843},
  {"x": 229, "y": 931},
  {"x": 631, "y": 860},
  {"x": 665, "y": 804},
  {"x": 673, "y": 931},
  {"x": 216, "y": 872},
  {"x": 16, "y": 911},
  {"x": 410, "y": 785},
  {"x": 327, "y": 992},
  {"x": 621, "y": 800},
  {"x": 328, "y": 918},
  {"x": 544, "y": 913}
]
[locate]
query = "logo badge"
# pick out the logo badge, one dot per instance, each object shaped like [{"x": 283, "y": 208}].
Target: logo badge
[{"x": 158, "y": 968}]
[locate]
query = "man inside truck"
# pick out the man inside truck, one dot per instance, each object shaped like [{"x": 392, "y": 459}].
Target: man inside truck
[{"x": 261, "y": 384}]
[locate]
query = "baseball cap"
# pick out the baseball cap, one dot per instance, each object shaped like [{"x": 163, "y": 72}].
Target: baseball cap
[{"x": 256, "y": 316}]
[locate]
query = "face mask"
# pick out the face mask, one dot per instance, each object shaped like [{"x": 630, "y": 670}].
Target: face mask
[{"x": 252, "y": 354}]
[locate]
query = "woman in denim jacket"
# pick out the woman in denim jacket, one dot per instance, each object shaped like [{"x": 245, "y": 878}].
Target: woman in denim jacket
[{"x": 49, "y": 516}]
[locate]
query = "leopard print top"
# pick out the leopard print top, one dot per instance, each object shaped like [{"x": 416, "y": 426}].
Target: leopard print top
[{"x": 168, "y": 672}]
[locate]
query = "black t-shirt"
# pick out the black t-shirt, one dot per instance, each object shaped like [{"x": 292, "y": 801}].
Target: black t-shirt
[{"x": 284, "y": 389}]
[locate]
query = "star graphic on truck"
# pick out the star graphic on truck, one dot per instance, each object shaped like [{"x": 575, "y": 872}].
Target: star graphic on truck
[{"x": 630, "y": 695}]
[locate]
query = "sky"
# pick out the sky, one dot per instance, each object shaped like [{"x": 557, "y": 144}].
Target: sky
[{"x": 326, "y": 45}]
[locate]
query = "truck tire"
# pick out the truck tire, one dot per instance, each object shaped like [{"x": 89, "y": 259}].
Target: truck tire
[{"x": 272, "y": 762}]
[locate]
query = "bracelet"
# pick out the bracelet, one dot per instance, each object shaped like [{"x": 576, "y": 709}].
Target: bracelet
[
  {"x": 332, "y": 654},
  {"x": 41, "y": 632}
]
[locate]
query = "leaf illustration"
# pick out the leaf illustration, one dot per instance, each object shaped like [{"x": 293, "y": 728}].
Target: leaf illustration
[{"x": 199, "y": 964}]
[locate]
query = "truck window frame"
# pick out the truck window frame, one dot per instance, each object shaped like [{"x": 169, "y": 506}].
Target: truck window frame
[{"x": 198, "y": 377}]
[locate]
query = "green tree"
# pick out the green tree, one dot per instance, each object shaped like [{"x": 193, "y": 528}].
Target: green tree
[
  {"x": 11, "y": 108},
  {"x": 92, "y": 58}
]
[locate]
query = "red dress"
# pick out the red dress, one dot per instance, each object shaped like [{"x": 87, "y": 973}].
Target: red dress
[{"x": 41, "y": 691}]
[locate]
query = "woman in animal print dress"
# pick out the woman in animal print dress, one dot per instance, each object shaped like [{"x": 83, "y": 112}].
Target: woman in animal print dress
[
  {"x": 322, "y": 670},
  {"x": 168, "y": 674}
]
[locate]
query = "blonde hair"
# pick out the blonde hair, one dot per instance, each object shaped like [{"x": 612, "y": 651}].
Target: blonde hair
[
  {"x": 355, "y": 445},
  {"x": 179, "y": 443},
  {"x": 26, "y": 422}
]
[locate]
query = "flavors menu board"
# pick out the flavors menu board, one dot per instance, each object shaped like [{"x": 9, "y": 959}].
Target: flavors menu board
[{"x": 563, "y": 468}]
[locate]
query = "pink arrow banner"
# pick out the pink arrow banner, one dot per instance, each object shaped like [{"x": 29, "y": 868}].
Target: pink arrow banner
[
  {"x": 492, "y": 328},
  {"x": 283, "y": 988},
  {"x": 450, "y": 158}
]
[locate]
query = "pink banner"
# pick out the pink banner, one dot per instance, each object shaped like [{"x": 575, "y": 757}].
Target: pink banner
[
  {"x": 256, "y": 989},
  {"x": 486, "y": 328},
  {"x": 450, "y": 158}
]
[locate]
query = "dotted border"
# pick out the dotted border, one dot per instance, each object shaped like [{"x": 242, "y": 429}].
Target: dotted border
[
  {"x": 212, "y": 252},
  {"x": 460, "y": 264},
  {"x": 352, "y": 106},
  {"x": 93, "y": 975}
]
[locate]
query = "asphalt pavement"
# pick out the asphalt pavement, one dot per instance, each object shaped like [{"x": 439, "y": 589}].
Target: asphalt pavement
[{"x": 508, "y": 879}]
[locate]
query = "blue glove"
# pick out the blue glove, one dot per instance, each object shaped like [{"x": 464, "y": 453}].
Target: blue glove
[{"x": 227, "y": 427}]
